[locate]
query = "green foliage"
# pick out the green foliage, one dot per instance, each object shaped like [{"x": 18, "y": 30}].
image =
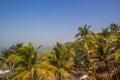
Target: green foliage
[{"x": 98, "y": 51}]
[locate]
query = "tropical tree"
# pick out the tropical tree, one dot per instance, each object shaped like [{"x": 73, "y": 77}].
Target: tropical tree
[
  {"x": 105, "y": 53},
  {"x": 9, "y": 60},
  {"x": 83, "y": 32},
  {"x": 9, "y": 56},
  {"x": 4, "y": 59},
  {"x": 87, "y": 39},
  {"x": 62, "y": 61},
  {"x": 47, "y": 70},
  {"x": 27, "y": 68},
  {"x": 114, "y": 27}
]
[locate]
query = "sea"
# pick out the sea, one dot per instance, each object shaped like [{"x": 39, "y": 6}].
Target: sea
[
  {"x": 40, "y": 50},
  {"x": 2, "y": 48}
]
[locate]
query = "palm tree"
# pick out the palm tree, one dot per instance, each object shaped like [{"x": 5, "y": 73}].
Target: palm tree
[
  {"x": 4, "y": 59},
  {"x": 87, "y": 39},
  {"x": 27, "y": 68},
  {"x": 83, "y": 32},
  {"x": 114, "y": 27},
  {"x": 62, "y": 61},
  {"x": 8, "y": 61},
  {"x": 105, "y": 52},
  {"x": 47, "y": 70}
]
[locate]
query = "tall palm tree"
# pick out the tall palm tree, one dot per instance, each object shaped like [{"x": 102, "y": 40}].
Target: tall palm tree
[{"x": 87, "y": 39}]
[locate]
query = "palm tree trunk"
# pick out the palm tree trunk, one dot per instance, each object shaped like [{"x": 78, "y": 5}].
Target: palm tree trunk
[
  {"x": 90, "y": 61},
  {"x": 115, "y": 71},
  {"x": 106, "y": 63}
]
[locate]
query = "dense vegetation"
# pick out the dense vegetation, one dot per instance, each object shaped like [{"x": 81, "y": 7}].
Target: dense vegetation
[{"x": 94, "y": 54}]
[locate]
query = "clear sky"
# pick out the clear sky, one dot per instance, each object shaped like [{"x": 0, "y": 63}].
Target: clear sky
[{"x": 49, "y": 21}]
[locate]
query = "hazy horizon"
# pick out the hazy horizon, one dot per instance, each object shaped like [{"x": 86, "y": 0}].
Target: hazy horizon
[{"x": 46, "y": 22}]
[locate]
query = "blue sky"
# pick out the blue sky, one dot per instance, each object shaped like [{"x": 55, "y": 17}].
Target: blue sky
[{"x": 49, "y": 21}]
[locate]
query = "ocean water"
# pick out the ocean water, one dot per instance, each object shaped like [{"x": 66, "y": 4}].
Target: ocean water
[
  {"x": 45, "y": 49},
  {"x": 2, "y": 48},
  {"x": 40, "y": 50}
]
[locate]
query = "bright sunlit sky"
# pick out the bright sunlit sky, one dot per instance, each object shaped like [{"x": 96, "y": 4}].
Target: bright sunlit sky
[{"x": 49, "y": 21}]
